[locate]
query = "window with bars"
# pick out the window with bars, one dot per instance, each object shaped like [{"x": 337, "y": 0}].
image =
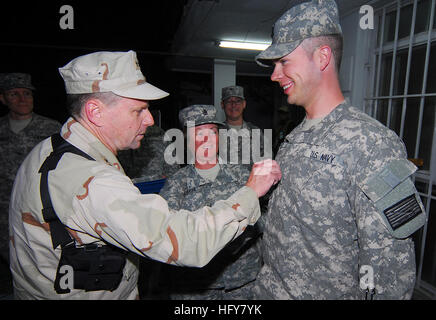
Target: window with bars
[{"x": 402, "y": 95}]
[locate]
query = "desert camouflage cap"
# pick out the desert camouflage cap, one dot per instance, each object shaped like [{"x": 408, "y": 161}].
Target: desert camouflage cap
[
  {"x": 199, "y": 114},
  {"x": 305, "y": 20},
  {"x": 15, "y": 80},
  {"x": 232, "y": 91},
  {"x": 105, "y": 71}
]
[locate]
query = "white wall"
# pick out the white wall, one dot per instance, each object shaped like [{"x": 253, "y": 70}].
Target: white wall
[
  {"x": 224, "y": 75},
  {"x": 354, "y": 71}
]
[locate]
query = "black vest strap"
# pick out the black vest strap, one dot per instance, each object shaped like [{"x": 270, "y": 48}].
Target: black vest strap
[{"x": 59, "y": 233}]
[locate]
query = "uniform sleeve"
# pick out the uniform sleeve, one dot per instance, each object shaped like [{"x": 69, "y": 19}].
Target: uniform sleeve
[
  {"x": 385, "y": 261},
  {"x": 111, "y": 207}
]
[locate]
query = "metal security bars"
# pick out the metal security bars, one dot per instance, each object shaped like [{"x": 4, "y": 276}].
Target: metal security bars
[{"x": 402, "y": 95}]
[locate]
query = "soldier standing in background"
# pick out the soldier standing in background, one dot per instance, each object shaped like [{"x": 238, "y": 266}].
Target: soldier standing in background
[
  {"x": 20, "y": 130},
  {"x": 247, "y": 136},
  {"x": 231, "y": 273}
]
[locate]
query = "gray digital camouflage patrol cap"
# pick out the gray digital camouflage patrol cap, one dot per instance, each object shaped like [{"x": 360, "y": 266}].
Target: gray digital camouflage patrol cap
[
  {"x": 232, "y": 91},
  {"x": 305, "y": 20},
  {"x": 15, "y": 80},
  {"x": 199, "y": 114}
]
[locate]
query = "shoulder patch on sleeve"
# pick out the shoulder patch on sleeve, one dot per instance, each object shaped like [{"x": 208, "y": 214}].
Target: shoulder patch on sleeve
[
  {"x": 383, "y": 181},
  {"x": 396, "y": 198}
]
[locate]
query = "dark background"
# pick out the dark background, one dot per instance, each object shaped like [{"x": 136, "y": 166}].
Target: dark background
[{"x": 32, "y": 41}]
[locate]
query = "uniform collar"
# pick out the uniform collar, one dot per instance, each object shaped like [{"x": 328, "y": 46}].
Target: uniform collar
[
  {"x": 317, "y": 133},
  {"x": 80, "y": 137},
  {"x": 197, "y": 180}
]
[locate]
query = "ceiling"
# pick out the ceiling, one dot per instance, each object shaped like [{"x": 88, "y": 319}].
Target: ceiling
[
  {"x": 170, "y": 36},
  {"x": 183, "y": 31},
  {"x": 204, "y": 22}
]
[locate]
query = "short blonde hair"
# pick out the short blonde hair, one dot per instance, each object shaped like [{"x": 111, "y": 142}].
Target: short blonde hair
[{"x": 335, "y": 43}]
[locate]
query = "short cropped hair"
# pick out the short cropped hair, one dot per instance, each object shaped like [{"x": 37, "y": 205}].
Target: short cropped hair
[
  {"x": 335, "y": 42},
  {"x": 75, "y": 102}
]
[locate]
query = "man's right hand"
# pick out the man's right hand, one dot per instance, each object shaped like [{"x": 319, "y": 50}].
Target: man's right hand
[{"x": 263, "y": 176}]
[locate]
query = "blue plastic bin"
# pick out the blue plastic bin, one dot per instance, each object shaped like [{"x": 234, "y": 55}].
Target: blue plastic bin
[{"x": 150, "y": 186}]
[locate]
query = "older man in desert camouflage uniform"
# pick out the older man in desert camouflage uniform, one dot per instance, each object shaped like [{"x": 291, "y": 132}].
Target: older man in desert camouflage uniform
[
  {"x": 95, "y": 208},
  {"x": 231, "y": 273},
  {"x": 339, "y": 223},
  {"x": 20, "y": 130}
]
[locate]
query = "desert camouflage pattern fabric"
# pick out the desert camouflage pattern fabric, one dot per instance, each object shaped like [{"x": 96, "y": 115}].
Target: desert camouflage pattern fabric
[
  {"x": 107, "y": 71},
  {"x": 97, "y": 201},
  {"x": 147, "y": 163},
  {"x": 321, "y": 227},
  {"x": 238, "y": 263},
  {"x": 14, "y": 148},
  {"x": 308, "y": 19}
]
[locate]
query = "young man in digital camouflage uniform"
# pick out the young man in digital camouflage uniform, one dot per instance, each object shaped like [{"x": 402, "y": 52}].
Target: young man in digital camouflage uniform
[
  {"x": 339, "y": 223},
  {"x": 98, "y": 206},
  {"x": 231, "y": 272},
  {"x": 20, "y": 130}
]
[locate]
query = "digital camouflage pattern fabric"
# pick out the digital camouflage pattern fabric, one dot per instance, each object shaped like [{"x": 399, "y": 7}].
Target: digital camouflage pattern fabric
[
  {"x": 15, "y": 80},
  {"x": 305, "y": 20},
  {"x": 199, "y": 114},
  {"x": 232, "y": 91},
  {"x": 321, "y": 226},
  {"x": 14, "y": 148},
  {"x": 245, "y": 146},
  {"x": 238, "y": 263}
]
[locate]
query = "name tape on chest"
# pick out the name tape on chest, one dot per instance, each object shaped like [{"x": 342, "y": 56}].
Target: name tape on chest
[{"x": 323, "y": 155}]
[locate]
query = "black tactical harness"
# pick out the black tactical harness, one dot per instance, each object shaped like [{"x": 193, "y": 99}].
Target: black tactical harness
[{"x": 95, "y": 267}]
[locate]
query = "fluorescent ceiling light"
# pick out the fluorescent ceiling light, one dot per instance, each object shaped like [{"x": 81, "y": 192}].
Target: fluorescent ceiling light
[{"x": 244, "y": 45}]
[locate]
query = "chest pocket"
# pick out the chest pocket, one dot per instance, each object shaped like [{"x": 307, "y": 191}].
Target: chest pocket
[{"x": 310, "y": 167}]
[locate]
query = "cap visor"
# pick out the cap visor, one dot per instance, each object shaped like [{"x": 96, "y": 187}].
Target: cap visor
[
  {"x": 144, "y": 91},
  {"x": 207, "y": 122},
  {"x": 276, "y": 51}
]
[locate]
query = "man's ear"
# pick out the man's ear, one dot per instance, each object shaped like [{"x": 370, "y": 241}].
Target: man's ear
[
  {"x": 324, "y": 56},
  {"x": 2, "y": 99},
  {"x": 222, "y": 104},
  {"x": 93, "y": 110}
]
